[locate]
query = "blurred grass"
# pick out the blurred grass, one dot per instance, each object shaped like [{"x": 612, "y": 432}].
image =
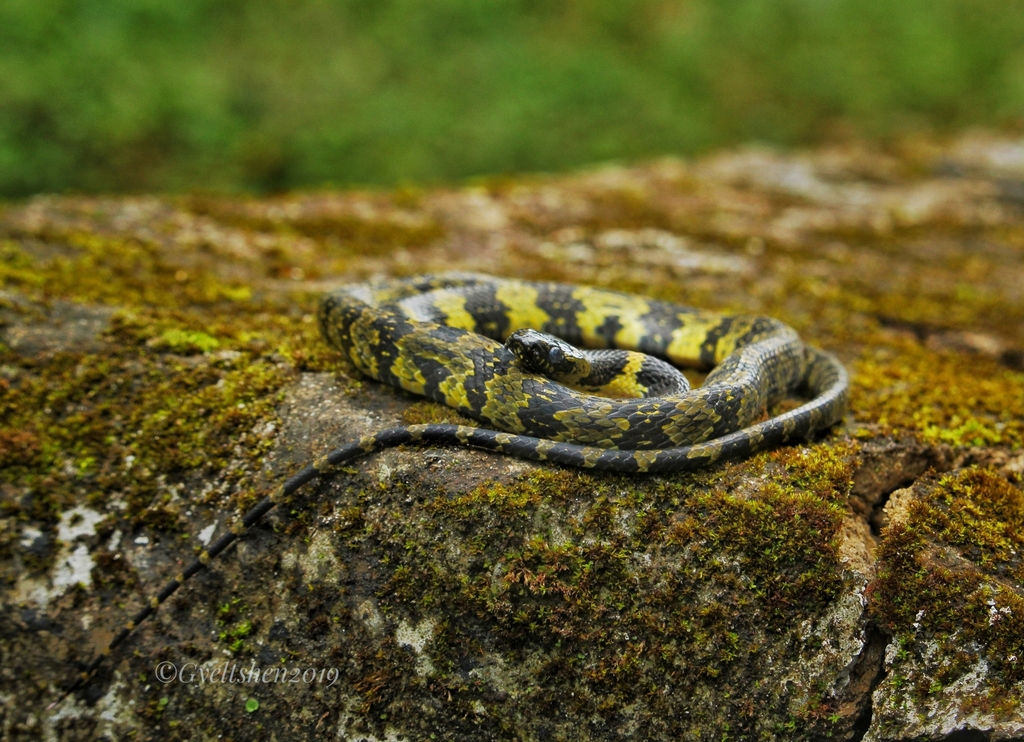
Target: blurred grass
[{"x": 129, "y": 95}]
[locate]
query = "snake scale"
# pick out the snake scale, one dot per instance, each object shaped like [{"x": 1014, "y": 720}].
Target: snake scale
[{"x": 476, "y": 344}]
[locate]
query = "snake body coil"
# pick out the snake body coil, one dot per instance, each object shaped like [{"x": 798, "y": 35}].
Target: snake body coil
[{"x": 442, "y": 337}]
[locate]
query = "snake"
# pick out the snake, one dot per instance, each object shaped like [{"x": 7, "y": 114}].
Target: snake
[{"x": 563, "y": 373}]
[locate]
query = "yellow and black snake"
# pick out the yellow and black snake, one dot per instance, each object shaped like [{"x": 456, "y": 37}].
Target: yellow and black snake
[{"x": 488, "y": 346}]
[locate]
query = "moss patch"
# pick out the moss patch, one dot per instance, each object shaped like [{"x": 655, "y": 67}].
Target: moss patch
[
  {"x": 951, "y": 577},
  {"x": 190, "y": 374},
  {"x": 628, "y": 586},
  {"x": 945, "y": 397}
]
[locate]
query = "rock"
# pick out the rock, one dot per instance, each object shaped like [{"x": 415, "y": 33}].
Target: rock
[
  {"x": 950, "y": 590},
  {"x": 30, "y": 329},
  {"x": 160, "y": 371}
]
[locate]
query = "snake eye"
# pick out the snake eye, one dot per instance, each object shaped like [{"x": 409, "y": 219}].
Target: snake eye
[{"x": 555, "y": 356}]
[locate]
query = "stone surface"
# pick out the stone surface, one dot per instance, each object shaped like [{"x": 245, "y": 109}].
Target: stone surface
[
  {"x": 160, "y": 370},
  {"x": 951, "y": 559}
]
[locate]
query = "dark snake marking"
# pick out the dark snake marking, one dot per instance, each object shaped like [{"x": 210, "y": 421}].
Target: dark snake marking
[{"x": 442, "y": 337}]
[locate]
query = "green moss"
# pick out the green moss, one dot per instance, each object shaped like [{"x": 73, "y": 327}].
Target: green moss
[
  {"x": 825, "y": 470},
  {"x": 622, "y": 582},
  {"x": 235, "y": 636},
  {"x": 924, "y": 596},
  {"x": 17, "y": 268},
  {"x": 229, "y": 614},
  {"x": 133, "y": 422},
  {"x": 943, "y": 397},
  {"x": 424, "y": 412},
  {"x": 190, "y": 371},
  {"x": 103, "y": 269},
  {"x": 186, "y": 342}
]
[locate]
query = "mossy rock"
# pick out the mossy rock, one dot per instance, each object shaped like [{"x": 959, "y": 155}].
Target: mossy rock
[{"x": 160, "y": 371}]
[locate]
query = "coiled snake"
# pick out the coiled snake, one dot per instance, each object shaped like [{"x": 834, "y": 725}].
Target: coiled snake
[{"x": 462, "y": 340}]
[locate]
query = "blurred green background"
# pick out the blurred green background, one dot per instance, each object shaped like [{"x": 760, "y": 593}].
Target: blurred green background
[{"x": 265, "y": 95}]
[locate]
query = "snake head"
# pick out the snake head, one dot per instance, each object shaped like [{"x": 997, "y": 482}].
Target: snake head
[{"x": 545, "y": 354}]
